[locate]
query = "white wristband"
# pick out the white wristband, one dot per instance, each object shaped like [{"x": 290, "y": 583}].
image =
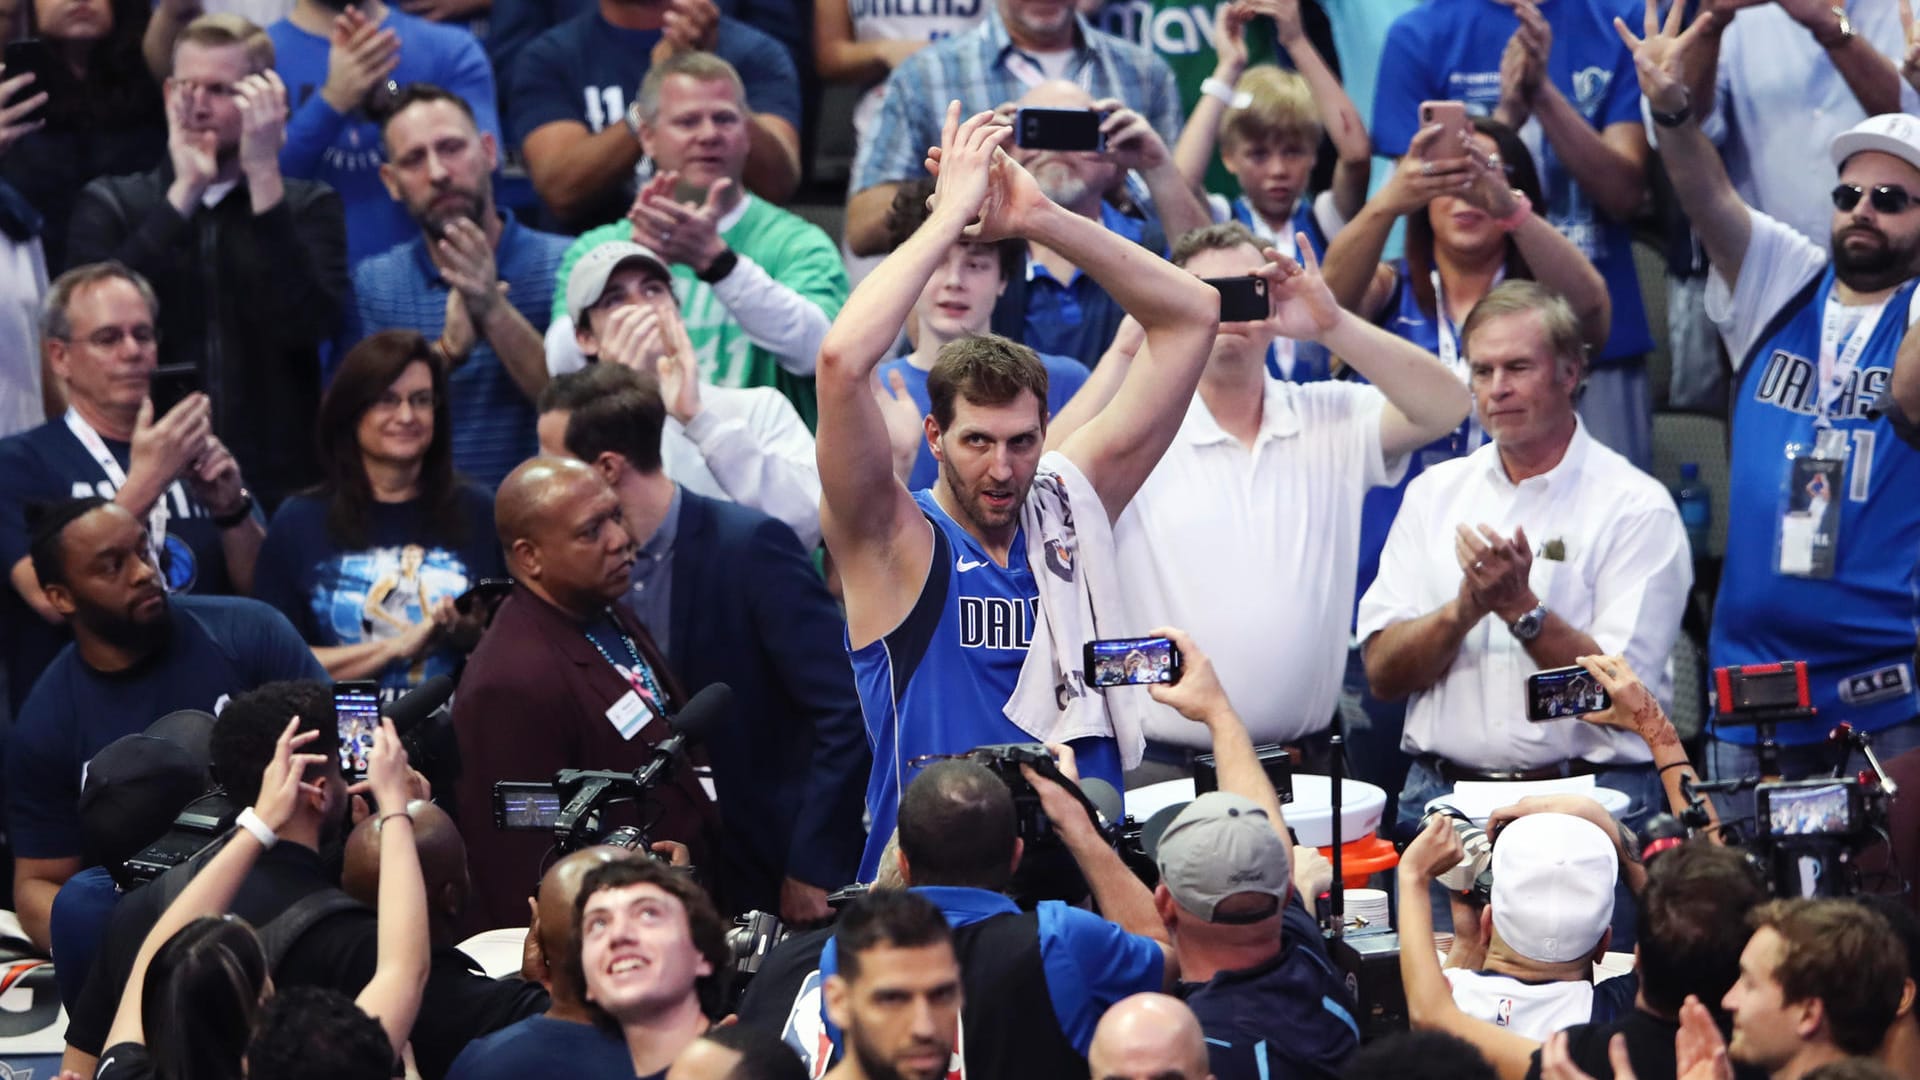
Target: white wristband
[
  {"x": 1214, "y": 88},
  {"x": 251, "y": 822}
]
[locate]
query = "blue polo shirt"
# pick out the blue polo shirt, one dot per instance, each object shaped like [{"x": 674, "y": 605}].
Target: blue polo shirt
[
  {"x": 402, "y": 289},
  {"x": 1090, "y": 962},
  {"x": 1076, "y": 317}
]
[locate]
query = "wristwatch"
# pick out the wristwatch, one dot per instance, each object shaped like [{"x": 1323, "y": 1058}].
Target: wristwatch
[
  {"x": 720, "y": 267},
  {"x": 238, "y": 514},
  {"x": 1845, "y": 26},
  {"x": 1675, "y": 118},
  {"x": 1527, "y": 627}
]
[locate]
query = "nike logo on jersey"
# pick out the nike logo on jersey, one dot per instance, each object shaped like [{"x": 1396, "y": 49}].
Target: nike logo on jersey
[{"x": 964, "y": 564}]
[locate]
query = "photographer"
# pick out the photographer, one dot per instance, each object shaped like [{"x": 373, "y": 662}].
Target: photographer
[
  {"x": 1250, "y": 957},
  {"x": 1037, "y": 982},
  {"x": 338, "y": 952},
  {"x": 1691, "y": 928}
]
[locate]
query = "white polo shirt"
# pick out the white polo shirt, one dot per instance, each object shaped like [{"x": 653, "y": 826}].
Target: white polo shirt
[
  {"x": 1255, "y": 552},
  {"x": 1622, "y": 577}
]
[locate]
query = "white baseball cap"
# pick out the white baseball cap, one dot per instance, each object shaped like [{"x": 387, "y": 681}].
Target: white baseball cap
[
  {"x": 1553, "y": 878},
  {"x": 1890, "y": 133},
  {"x": 588, "y": 280}
]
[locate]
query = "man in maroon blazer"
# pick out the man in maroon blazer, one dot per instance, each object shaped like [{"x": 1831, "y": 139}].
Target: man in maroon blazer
[{"x": 561, "y": 680}]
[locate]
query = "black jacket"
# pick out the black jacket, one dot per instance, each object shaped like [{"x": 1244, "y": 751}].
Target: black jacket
[
  {"x": 246, "y": 300},
  {"x": 748, "y": 609}
]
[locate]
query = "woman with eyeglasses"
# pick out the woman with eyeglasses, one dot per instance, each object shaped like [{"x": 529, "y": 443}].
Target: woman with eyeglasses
[{"x": 370, "y": 564}]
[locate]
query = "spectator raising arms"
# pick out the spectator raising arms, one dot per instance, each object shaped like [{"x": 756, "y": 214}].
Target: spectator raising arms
[
  {"x": 201, "y": 977},
  {"x": 367, "y": 567}
]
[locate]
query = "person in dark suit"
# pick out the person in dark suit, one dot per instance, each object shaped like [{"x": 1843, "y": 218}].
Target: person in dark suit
[
  {"x": 560, "y": 681},
  {"x": 731, "y": 597}
]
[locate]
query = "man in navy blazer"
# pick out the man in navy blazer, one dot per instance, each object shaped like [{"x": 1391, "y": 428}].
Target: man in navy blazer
[{"x": 730, "y": 596}]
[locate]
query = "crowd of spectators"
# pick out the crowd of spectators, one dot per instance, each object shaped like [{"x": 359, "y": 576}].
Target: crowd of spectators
[{"x": 533, "y": 370}]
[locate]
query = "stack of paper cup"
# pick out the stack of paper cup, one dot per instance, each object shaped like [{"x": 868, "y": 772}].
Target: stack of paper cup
[{"x": 1367, "y": 909}]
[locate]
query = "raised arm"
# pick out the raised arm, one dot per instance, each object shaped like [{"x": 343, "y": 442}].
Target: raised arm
[
  {"x": 212, "y": 890},
  {"x": 1699, "y": 177},
  {"x": 1193, "y": 151},
  {"x": 1118, "y": 448},
  {"x": 1609, "y": 163},
  {"x": 1199, "y": 697},
  {"x": 870, "y": 522},
  {"x": 392, "y": 996},
  {"x": 1353, "y": 257},
  {"x": 1424, "y": 399},
  {"x": 1430, "y": 1005},
  {"x": 1132, "y": 143},
  {"x": 1635, "y": 709},
  {"x": 1353, "y": 164}
]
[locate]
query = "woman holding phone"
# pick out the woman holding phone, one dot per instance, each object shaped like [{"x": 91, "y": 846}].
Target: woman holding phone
[
  {"x": 369, "y": 565},
  {"x": 200, "y": 979}
]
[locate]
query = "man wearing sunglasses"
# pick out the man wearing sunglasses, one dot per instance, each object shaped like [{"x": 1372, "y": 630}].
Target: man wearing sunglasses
[{"x": 1821, "y": 484}]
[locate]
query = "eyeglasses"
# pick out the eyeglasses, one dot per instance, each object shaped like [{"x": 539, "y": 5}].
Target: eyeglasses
[
  {"x": 420, "y": 401},
  {"x": 1884, "y": 198}
]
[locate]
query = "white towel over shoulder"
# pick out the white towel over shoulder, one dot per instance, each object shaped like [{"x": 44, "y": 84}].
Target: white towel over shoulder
[{"x": 1074, "y": 569}]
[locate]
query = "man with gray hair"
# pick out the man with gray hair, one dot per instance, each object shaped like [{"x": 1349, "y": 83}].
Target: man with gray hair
[
  {"x": 758, "y": 286},
  {"x": 1560, "y": 548}
]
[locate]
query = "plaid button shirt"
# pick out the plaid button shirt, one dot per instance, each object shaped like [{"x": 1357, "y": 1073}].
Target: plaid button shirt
[{"x": 973, "y": 68}]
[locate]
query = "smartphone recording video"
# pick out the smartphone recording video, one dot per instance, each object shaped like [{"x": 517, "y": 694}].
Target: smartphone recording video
[
  {"x": 1131, "y": 662},
  {"x": 1456, "y": 128},
  {"x": 1242, "y": 299},
  {"x": 1058, "y": 129},
  {"x": 1562, "y": 692},
  {"x": 356, "y": 713}
]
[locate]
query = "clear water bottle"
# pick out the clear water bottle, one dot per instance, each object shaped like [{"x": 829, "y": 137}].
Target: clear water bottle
[{"x": 1696, "y": 508}]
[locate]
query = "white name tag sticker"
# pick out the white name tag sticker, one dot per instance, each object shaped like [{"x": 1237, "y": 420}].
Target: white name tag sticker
[{"x": 628, "y": 715}]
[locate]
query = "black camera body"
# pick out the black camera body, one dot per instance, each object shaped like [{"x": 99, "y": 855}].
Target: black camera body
[{"x": 199, "y": 824}]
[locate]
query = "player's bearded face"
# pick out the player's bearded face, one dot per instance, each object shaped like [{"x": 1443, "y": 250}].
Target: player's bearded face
[{"x": 988, "y": 457}]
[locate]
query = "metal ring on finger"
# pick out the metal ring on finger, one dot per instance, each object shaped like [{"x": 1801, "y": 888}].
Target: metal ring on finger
[
  {"x": 666, "y": 236},
  {"x": 1426, "y": 168},
  {"x": 1479, "y": 565}
]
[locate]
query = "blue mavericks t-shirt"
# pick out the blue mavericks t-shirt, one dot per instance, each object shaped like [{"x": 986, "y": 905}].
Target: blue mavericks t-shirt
[
  {"x": 588, "y": 70},
  {"x": 340, "y": 597},
  {"x": 1065, "y": 377},
  {"x": 48, "y": 465},
  {"x": 542, "y": 1046},
  {"x": 344, "y": 151},
  {"x": 938, "y": 682},
  {"x": 220, "y": 646},
  {"x": 1856, "y": 631},
  {"x": 1451, "y": 49},
  {"x": 1403, "y": 318}
]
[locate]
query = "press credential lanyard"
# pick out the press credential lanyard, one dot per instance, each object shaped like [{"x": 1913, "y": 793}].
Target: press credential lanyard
[
  {"x": 117, "y": 476},
  {"x": 1837, "y": 365}
]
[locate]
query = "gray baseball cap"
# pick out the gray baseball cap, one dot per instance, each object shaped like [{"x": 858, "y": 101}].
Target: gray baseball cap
[
  {"x": 1222, "y": 845},
  {"x": 589, "y": 277}
]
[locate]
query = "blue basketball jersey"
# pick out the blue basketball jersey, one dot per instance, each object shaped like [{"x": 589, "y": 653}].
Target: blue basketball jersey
[
  {"x": 938, "y": 683},
  {"x": 1857, "y": 630}
]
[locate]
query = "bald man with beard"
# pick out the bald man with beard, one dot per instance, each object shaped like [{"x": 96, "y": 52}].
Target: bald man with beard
[
  {"x": 563, "y": 679},
  {"x": 566, "y": 1033}
]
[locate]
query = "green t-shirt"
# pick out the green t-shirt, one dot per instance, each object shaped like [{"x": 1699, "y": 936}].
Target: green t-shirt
[
  {"x": 792, "y": 250},
  {"x": 1182, "y": 35}
]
